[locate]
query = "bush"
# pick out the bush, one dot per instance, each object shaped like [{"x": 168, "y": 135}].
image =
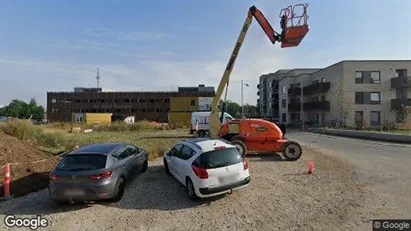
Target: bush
[
  {"x": 143, "y": 125},
  {"x": 26, "y": 131}
]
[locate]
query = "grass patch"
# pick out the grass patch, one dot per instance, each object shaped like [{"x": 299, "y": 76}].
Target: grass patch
[{"x": 56, "y": 137}]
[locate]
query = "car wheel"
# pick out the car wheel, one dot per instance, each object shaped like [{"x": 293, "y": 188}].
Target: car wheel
[
  {"x": 292, "y": 151},
  {"x": 121, "y": 186},
  {"x": 201, "y": 133},
  {"x": 145, "y": 166},
  {"x": 242, "y": 149},
  {"x": 166, "y": 166},
  {"x": 190, "y": 190}
]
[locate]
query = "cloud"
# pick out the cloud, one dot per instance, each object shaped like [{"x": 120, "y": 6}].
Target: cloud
[
  {"x": 123, "y": 35},
  {"x": 161, "y": 74}
]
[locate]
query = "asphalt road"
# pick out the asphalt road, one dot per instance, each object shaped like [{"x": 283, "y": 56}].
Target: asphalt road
[{"x": 384, "y": 168}]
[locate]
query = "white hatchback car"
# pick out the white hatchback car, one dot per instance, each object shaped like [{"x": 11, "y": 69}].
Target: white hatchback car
[{"x": 207, "y": 167}]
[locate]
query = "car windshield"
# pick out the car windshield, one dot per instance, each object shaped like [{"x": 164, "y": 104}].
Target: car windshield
[
  {"x": 82, "y": 162},
  {"x": 221, "y": 158}
]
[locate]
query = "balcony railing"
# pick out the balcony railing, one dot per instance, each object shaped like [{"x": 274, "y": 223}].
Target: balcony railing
[
  {"x": 317, "y": 106},
  {"x": 294, "y": 107},
  {"x": 294, "y": 91},
  {"x": 398, "y": 82},
  {"x": 316, "y": 88},
  {"x": 258, "y": 92},
  {"x": 258, "y": 86},
  {"x": 398, "y": 104}
]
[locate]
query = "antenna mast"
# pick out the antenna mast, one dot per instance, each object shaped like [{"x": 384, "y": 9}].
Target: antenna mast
[{"x": 98, "y": 77}]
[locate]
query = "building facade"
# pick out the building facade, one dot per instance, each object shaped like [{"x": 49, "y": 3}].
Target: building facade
[
  {"x": 352, "y": 93},
  {"x": 154, "y": 106}
]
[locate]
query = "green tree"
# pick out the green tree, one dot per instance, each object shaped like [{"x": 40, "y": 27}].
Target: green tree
[
  {"x": 250, "y": 110},
  {"x": 232, "y": 108},
  {"x": 20, "y": 109}
]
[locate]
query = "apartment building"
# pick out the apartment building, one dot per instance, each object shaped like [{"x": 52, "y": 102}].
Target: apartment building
[{"x": 370, "y": 92}]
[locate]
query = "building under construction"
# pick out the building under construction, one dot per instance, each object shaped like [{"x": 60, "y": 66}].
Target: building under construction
[{"x": 153, "y": 106}]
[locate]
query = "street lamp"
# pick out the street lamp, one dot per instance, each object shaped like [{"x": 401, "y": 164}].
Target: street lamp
[{"x": 242, "y": 97}]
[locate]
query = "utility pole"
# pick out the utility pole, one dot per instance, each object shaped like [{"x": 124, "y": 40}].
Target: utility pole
[{"x": 242, "y": 97}]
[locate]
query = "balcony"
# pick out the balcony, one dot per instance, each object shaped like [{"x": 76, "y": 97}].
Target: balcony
[
  {"x": 317, "y": 106},
  {"x": 397, "y": 83},
  {"x": 294, "y": 91},
  {"x": 258, "y": 86},
  {"x": 398, "y": 104},
  {"x": 316, "y": 88},
  {"x": 294, "y": 107},
  {"x": 258, "y": 92},
  {"x": 274, "y": 96}
]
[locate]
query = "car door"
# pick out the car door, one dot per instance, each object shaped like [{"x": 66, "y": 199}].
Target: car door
[
  {"x": 181, "y": 162},
  {"x": 132, "y": 160},
  {"x": 171, "y": 159},
  {"x": 123, "y": 159}
]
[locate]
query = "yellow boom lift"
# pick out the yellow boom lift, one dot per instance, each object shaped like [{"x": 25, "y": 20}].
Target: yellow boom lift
[{"x": 294, "y": 28}]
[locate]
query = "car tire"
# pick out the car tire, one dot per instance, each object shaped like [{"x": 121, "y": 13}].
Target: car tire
[
  {"x": 292, "y": 151},
  {"x": 167, "y": 170},
  {"x": 241, "y": 147},
  {"x": 121, "y": 186},
  {"x": 145, "y": 166},
  {"x": 201, "y": 133},
  {"x": 190, "y": 189}
]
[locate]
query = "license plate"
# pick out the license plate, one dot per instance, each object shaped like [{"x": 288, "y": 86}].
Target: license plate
[
  {"x": 74, "y": 193},
  {"x": 228, "y": 179}
]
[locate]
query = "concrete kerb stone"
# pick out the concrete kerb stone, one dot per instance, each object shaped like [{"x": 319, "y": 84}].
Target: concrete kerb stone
[{"x": 376, "y": 136}]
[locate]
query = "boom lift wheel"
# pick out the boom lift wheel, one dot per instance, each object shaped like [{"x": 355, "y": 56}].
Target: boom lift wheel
[
  {"x": 241, "y": 147},
  {"x": 292, "y": 151}
]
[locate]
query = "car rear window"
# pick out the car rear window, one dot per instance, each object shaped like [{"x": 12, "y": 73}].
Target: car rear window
[
  {"x": 220, "y": 158},
  {"x": 82, "y": 162}
]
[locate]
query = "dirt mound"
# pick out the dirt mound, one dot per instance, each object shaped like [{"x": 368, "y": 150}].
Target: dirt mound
[{"x": 27, "y": 176}]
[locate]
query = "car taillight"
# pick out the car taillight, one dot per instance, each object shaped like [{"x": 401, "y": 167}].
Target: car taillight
[
  {"x": 54, "y": 177},
  {"x": 245, "y": 164},
  {"x": 101, "y": 176},
  {"x": 200, "y": 172}
]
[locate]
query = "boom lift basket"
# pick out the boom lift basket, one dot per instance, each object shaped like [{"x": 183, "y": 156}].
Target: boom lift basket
[{"x": 294, "y": 25}]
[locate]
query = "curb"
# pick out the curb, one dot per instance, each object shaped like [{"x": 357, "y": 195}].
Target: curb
[{"x": 391, "y": 138}]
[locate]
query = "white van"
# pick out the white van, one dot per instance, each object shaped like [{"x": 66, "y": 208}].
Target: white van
[{"x": 203, "y": 120}]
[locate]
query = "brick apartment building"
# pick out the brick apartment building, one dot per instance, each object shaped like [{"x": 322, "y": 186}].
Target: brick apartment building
[
  {"x": 373, "y": 91},
  {"x": 142, "y": 105}
]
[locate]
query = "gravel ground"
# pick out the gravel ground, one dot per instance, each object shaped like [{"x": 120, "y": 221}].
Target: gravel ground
[{"x": 281, "y": 196}]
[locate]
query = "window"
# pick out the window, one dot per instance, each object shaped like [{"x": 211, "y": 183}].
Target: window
[
  {"x": 193, "y": 102},
  {"x": 122, "y": 153},
  {"x": 323, "y": 98},
  {"x": 132, "y": 150},
  {"x": 375, "y": 118},
  {"x": 358, "y": 77},
  {"x": 186, "y": 153},
  {"x": 53, "y": 100},
  {"x": 359, "y": 116},
  {"x": 83, "y": 162},
  {"x": 359, "y": 97},
  {"x": 218, "y": 159},
  {"x": 284, "y": 89},
  {"x": 375, "y": 77},
  {"x": 176, "y": 150},
  {"x": 375, "y": 98},
  {"x": 323, "y": 80},
  {"x": 284, "y": 103}
]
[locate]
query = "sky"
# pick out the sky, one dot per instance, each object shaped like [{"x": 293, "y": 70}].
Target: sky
[{"x": 157, "y": 45}]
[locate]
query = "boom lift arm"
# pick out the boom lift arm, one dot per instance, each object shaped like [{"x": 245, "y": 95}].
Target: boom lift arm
[{"x": 290, "y": 36}]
